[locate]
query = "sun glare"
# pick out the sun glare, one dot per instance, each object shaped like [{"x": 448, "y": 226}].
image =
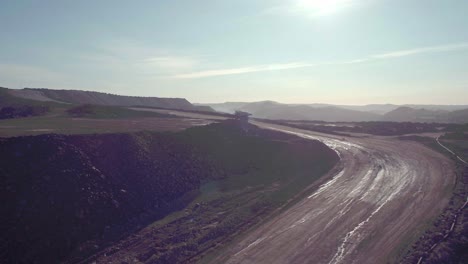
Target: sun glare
[{"x": 322, "y": 7}]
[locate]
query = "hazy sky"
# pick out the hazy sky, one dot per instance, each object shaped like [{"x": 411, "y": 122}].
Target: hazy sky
[{"x": 297, "y": 51}]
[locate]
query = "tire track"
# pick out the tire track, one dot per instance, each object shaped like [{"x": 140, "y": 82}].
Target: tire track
[{"x": 362, "y": 214}]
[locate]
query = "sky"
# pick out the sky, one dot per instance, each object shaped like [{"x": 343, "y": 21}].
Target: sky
[{"x": 291, "y": 51}]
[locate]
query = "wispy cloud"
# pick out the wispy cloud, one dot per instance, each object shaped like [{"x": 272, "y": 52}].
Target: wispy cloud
[
  {"x": 137, "y": 59},
  {"x": 294, "y": 65},
  {"x": 433, "y": 49},
  {"x": 248, "y": 69}
]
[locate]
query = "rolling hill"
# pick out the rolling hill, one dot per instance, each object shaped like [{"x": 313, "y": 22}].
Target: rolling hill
[
  {"x": 78, "y": 193},
  {"x": 408, "y": 114},
  {"x": 349, "y": 113},
  {"x": 274, "y": 110},
  {"x": 97, "y": 98}
]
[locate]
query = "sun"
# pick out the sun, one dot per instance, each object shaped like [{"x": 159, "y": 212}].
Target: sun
[{"x": 322, "y": 7}]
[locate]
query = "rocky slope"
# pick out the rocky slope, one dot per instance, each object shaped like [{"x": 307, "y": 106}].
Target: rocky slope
[
  {"x": 65, "y": 190},
  {"x": 68, "y": 196}
]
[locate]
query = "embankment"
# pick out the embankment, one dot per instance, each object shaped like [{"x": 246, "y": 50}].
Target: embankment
[{"x": 66, "y": 197}]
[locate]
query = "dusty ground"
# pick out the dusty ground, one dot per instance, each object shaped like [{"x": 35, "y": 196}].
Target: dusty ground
[
  {"x": 385, "y": 196},
  {"x": 386, "y": 193}
]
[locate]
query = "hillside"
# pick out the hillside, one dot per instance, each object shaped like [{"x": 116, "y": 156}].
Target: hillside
[
  {"x": 227, "y": 107},
  {"x": 109, "y": 112},
  {"x": 380, "y": 109},
  {"x": 81, "y": 192},
  {"x": 97, "y": 98},
  {"x": 73, "y": 187},
  {"x": 408, "y": 114},
  {"x": 385, "y": 108},
  {"x": 349, "y": 113},
  {"x": 458, "y": 116},
  {"x": 372, "y": 108},
  {"x": 17, "y": 107},
  {"x": 274, "y": 110}
]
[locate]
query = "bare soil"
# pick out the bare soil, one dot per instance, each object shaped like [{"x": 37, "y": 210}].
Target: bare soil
[{"x": 388, "y": 192}]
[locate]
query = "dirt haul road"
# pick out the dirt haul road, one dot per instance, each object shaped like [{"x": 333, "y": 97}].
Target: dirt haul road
[{"x": 385, "y": 192}]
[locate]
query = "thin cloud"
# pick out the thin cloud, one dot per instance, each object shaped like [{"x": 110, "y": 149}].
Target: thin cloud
[
  {"x": 434, "y": 49},
  {"x": 295, "y": 65},
  {"x": 141, "y": 57},
  {"x": 248, "y": 69}
]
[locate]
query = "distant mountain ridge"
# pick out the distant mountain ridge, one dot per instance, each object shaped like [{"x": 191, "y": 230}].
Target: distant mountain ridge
[
  {"x": 405, "y": 114},
  {"x": 385, "y": 108},
  {"x": 408, "y": 114},
  {"x": 273, "y": 110},
  {"x": 349, "y": 113},
  {"x": 262, "y": 109},
  {"x": 98, "y": 98}
]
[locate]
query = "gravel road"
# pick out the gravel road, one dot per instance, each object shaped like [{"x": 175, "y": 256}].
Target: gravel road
[{"x": 385, "y": 192}]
